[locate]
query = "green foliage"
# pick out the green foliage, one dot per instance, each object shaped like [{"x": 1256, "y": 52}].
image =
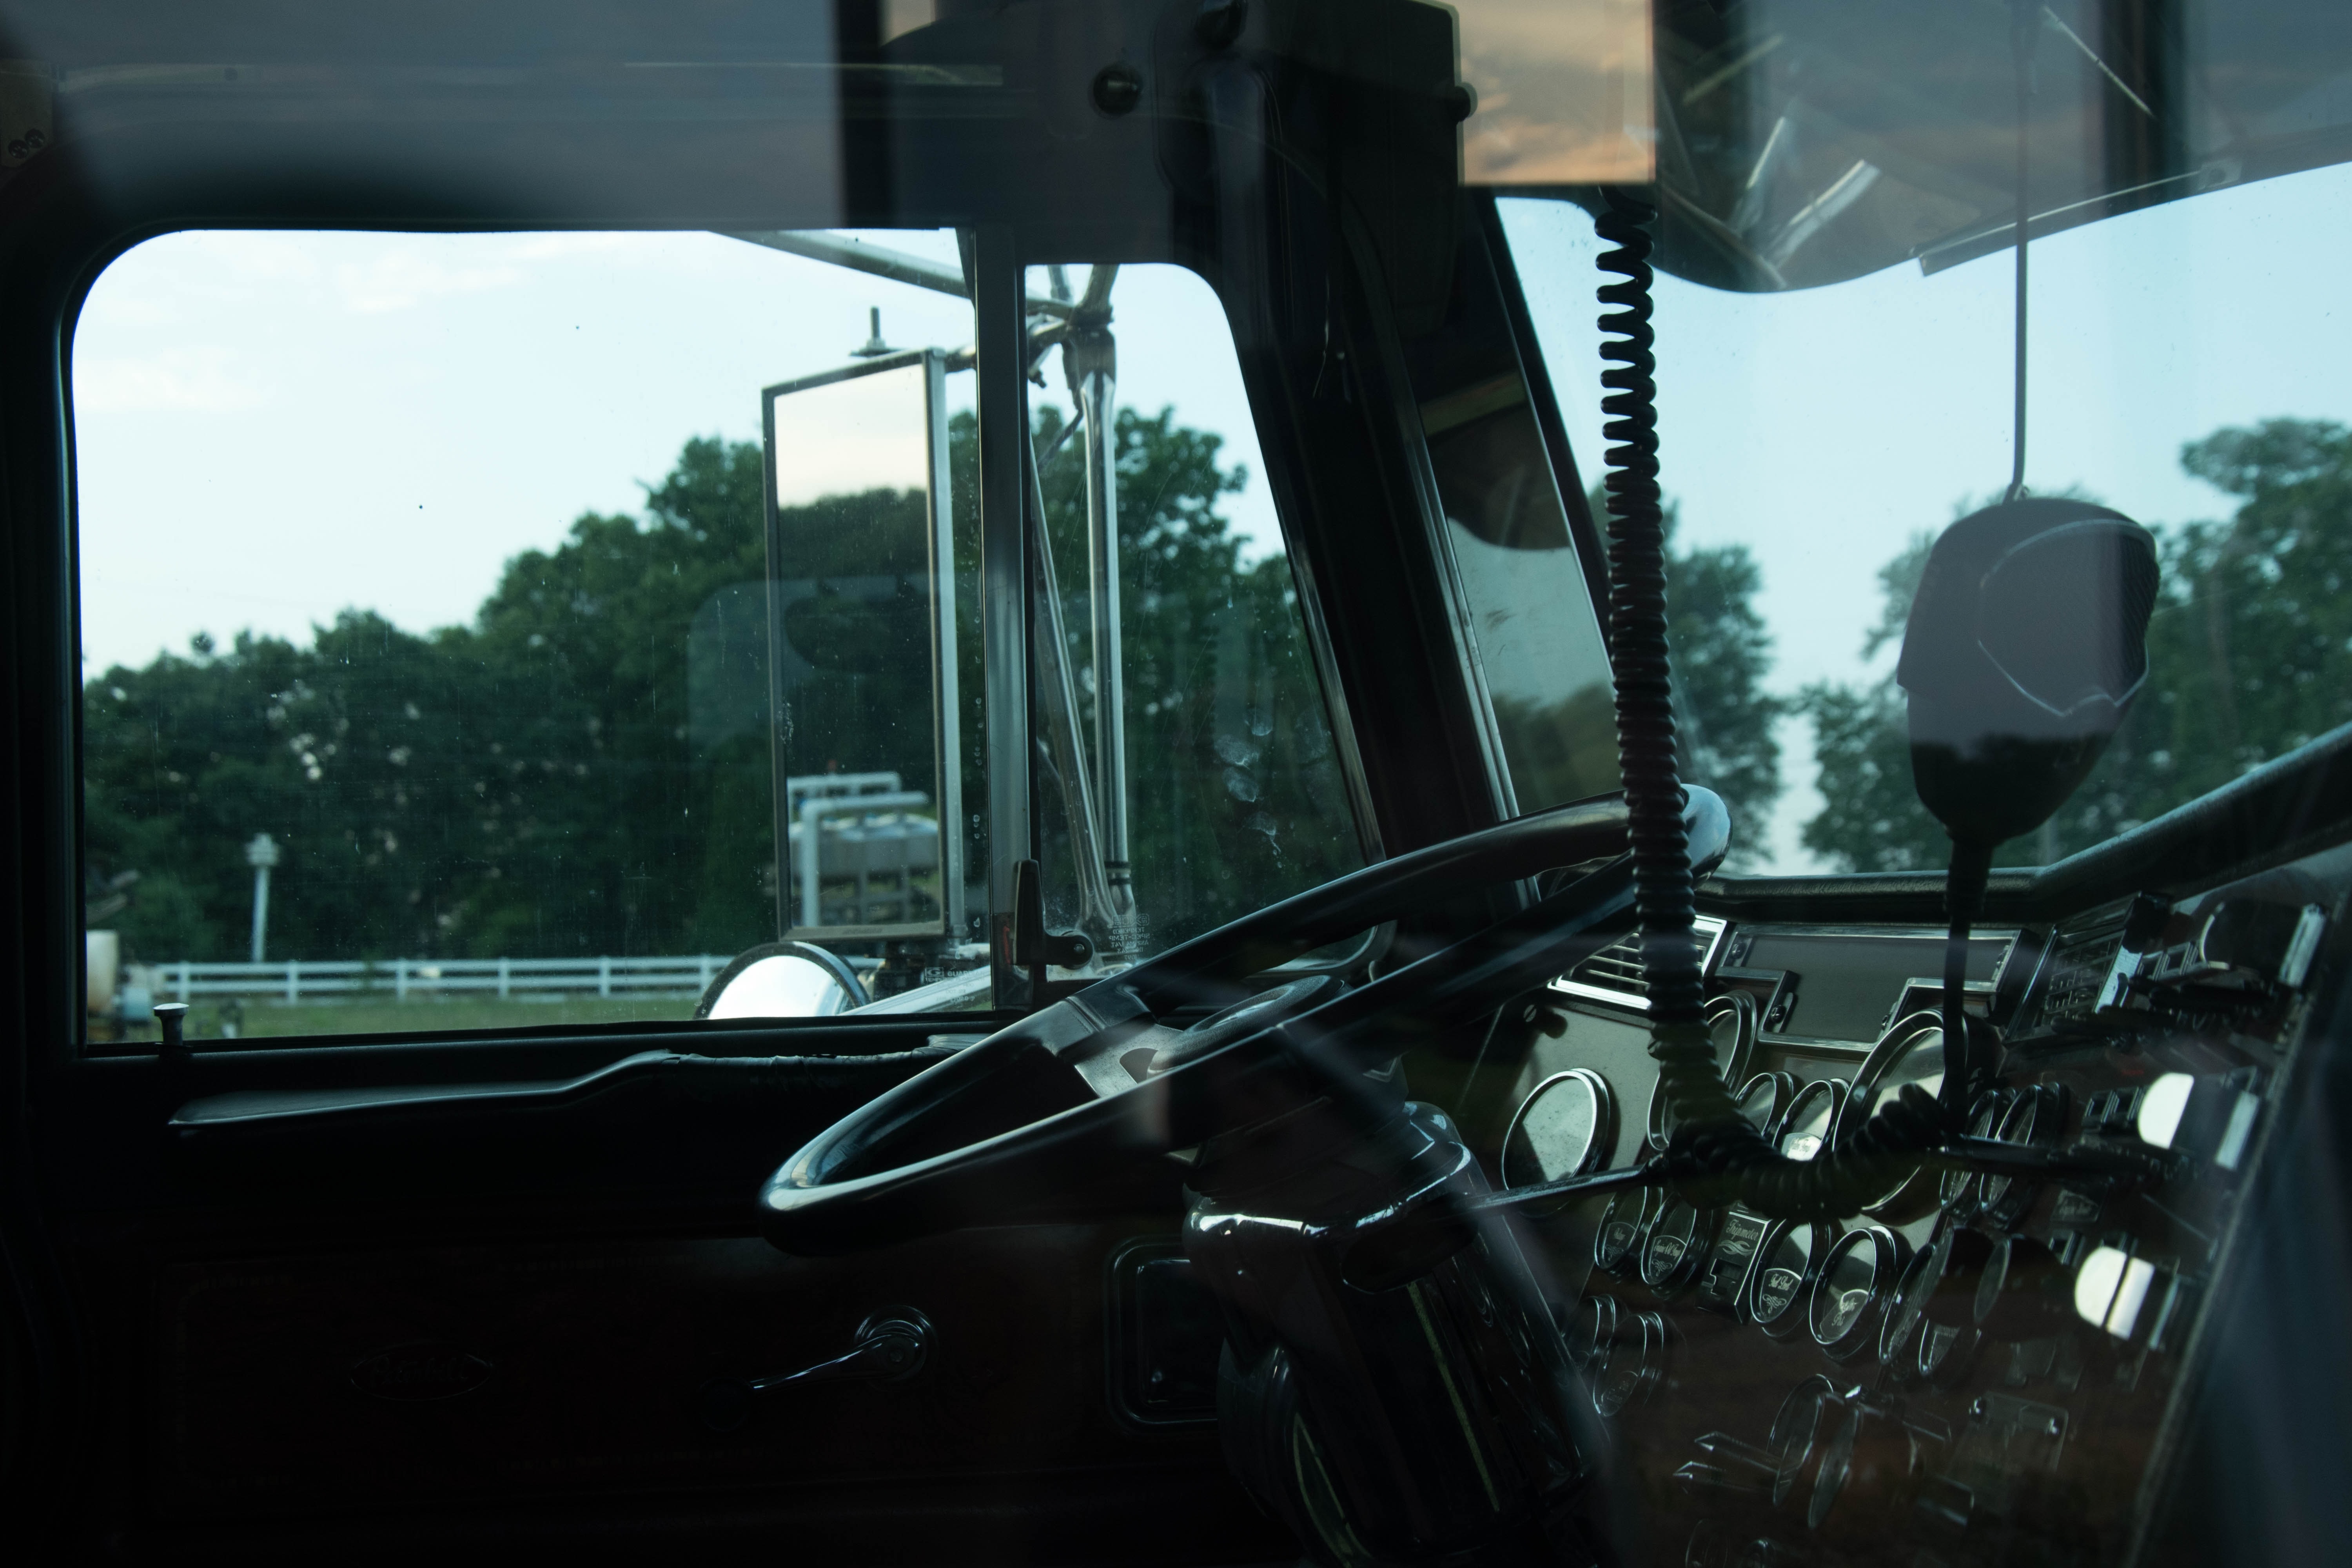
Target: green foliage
[
  {"x": 1725, "y": 717},
  {"x": 586, "y": 769},
  {"x": 1235, "y": 797},
  {"x": 524, "y": 785},
  {"x": 2249, "y": 656},
  {"x": 1722, "y": 653}
]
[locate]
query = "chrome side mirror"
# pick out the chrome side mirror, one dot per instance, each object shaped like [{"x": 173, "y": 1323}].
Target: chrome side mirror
[{"x": 783, "y": 980}]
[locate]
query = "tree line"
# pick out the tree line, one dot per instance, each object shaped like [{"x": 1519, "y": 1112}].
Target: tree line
[
  {"x": 2249, "y": 656},
  {"x": 585, "y": 767}
]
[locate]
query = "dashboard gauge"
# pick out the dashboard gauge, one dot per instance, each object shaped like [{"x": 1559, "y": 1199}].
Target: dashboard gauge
[
  {"x": 2036, "y": 1116},
  {"x": 1945, "y": 1351},
  {"x": 1636, "y": 1365},
  {"x": 1907, "y": 1308},
  {"x": 1593, "y": 1333},
  {"x": 1781, "y": 1283},
  {"x": 1962, "y": 1192},
  {"x": 1812, "y": 1116},
  {"x": 1764, "y": 1099},
  {"x": 1859, "y": 1454},
  {"x": 1911, "y": 1053},
  {"x": 1851, "y": 1290},
  {"x": 1676, "y": 1243},
  {"x": 1731, "y": 1026},
  {"x": 1565, "y": 1127},
  {"x": 1616, "y": 1246},
  {"x": 1931, "y": 1319},
  {"x": 1794, "y": 1429}
]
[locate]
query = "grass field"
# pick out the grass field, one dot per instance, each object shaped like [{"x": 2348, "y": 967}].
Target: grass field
[{"x": 270, "y": 1020}]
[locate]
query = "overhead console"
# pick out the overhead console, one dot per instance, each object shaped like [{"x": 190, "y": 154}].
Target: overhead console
[{"x": 1968, "y": 1369}]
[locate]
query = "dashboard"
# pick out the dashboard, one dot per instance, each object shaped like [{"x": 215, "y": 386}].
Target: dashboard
[{"x": 1968, "y": 1369}]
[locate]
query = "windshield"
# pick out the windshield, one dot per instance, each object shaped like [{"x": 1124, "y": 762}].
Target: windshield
[
  {"x": 2186, "y": 367},
  {"x": 499, "y": 629}
]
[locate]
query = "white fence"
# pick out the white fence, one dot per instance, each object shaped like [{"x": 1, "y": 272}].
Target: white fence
[{"x": 402, "y": 978}]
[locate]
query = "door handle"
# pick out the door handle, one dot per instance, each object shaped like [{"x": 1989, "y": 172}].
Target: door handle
[{"x": 890, "y": 1346}]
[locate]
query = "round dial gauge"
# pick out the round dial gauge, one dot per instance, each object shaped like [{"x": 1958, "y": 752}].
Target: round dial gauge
[
  {"x": 1565, "y": 1127},
  {"x": 1593, "y": 1333},
  {"x": 1764, "y": 1099},
  {"x": 1794, "y": 1429},
  {"x": 1616, "y": 1245},
  {"x": 1783, "y": 1280},
  {"x": 1812, "y": 1117},
  {"x": 1731, "y": 1026},
  {"x": 1907, "y": 1309},
  {"x": 1962, "y": 1192},
  {"x": 2037, "y": 1116},
  {"x": 1635, "y": 1366},
  {"x": 1911, "y": 1053},
  {"x": 1945, "y": 1351},
  {"x": 1675, "y": 1244},
  {"x": 1857, "y": 1274}
]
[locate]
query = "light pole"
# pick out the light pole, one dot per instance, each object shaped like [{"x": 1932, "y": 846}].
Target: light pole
[{"x": 260, "y": 853}]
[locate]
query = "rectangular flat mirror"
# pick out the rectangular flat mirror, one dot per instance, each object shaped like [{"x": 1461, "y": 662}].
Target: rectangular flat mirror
[{"x": 861, "y": 626}]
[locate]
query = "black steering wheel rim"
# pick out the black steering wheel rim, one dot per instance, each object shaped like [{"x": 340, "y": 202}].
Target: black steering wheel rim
[{"x": 928, "y": 1155}]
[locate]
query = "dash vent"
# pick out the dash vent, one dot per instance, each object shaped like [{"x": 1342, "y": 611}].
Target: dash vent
[{"x": 1614, "y": 973}]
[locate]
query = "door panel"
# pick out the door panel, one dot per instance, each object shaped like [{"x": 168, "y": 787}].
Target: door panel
[
  {"x": 483, "y": 1301},
  {"x": 432, "y": 1375}
]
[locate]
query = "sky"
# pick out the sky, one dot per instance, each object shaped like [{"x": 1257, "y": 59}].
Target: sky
[
  {"x": 1822, "y": 429},
  {"x": 271, "y": 427}
]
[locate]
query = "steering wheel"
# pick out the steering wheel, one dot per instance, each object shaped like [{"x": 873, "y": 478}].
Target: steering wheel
[{"x": 1096, "y": 1078}]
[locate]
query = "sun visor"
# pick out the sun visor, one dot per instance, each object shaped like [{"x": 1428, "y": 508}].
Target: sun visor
[{"x": 1801, "y": 142}]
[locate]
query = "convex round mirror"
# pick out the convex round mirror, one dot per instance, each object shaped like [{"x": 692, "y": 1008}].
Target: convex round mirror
[{"x": 783, "y": 980}]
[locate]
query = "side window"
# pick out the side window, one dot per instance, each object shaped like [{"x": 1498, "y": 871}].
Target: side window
[
  {"x": 1523, "y": 592},
  {"x": 493, "y": 630},
  {"x": 1187, "y": 769}
]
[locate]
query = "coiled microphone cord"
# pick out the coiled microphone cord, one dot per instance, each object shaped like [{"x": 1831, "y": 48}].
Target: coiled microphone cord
[{"x": 1716, "y": 1155}]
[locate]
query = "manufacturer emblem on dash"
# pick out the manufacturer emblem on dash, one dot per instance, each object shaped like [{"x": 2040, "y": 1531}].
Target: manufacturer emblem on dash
[{"x": 426, "y": 1370}]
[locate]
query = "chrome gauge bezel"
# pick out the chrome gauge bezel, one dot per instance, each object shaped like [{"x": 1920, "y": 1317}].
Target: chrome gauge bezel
[
  {"x": 1624, "y": 1226},
  {"x": 1945, "y": 1354},
  {"x": 1599, "y": 1144},
  {"x": 1637, "y": 1362},
  {"x": 2036, "y": 1118},
  {"x": 1962, "y": 1192},
  {"x": 1592, "y": 1333},
  {"x": 1906, "y": 1317},
  {"x": 1835, "y": 1088},
  {"x": 1792, "y": 1318},
  {"x": 1782, "y": 1089},
  {"x": 1887, "y": 1254},
  {"x": 1917, "y": 1193},
  {"x": 1738, "y": 1009},
  {"x": 1675, "y": 1243},
  {"x": 1791, "y": 1438}
]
